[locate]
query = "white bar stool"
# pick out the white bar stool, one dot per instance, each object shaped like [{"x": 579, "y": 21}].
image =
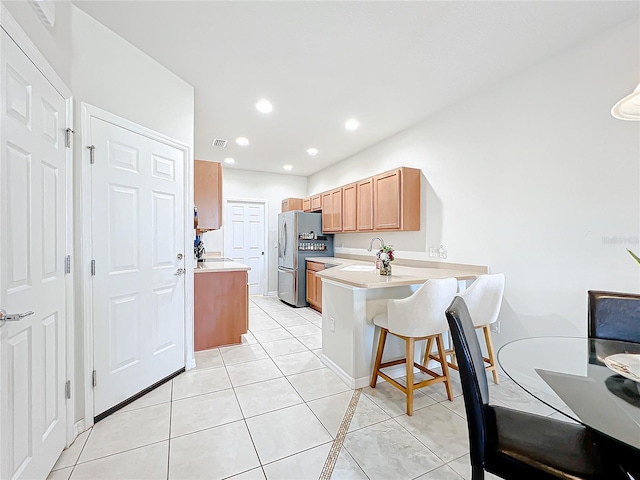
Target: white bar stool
[
  {"x": 418, "y": 317},
  {"x": 484, "y": 299}
]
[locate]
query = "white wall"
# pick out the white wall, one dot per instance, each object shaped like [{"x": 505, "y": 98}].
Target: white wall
[
  {"x": 260, "y": 186},
  {"x": 53, "y": 42},
  {"x": 112, "y": 74},
  {"x": 529, "y": 177}
]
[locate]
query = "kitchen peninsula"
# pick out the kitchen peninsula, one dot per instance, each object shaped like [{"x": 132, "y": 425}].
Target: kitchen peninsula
[
  {"x": 221, "y": 313},
  {"x": 353, "y": 292}
]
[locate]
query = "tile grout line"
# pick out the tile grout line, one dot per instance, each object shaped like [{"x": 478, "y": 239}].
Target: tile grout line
[
  {"x": 332, "y": 458},
  {"x": 169, "y": 441}
]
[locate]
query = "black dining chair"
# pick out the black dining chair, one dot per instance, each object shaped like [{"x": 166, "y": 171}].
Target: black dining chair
[
  {"x": 513, "y": 444},
  {"x": 614, "y": 316}
]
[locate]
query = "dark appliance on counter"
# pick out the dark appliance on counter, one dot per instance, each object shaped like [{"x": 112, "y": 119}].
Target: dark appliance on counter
[{"x": 299, "y": 236}]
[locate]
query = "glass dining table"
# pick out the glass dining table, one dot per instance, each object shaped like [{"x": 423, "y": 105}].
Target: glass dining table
[{"x": 570, "y": 376}]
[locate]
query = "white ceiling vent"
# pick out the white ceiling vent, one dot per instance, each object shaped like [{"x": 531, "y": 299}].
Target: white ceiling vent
[
  {"x": 46, "y": 10},
  {"x": 219, "y": 142}
]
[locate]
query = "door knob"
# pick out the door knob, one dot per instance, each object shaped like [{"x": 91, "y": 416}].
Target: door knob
[
  {"x": 179, "y": 272},
  {"x": 180, "y": 256},
  {"x": 12, "y": 317}
]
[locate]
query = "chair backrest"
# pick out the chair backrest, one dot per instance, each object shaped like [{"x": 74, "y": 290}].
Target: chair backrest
[
  {"x": 422, "y": 313},
  {"x": 472, "y": 376},
  {"x": 614, "y": 316},
  {"x": 484, "y": 298}
]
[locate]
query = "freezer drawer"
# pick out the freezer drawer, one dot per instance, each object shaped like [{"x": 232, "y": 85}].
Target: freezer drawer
[{"x": 287, "y": 285}]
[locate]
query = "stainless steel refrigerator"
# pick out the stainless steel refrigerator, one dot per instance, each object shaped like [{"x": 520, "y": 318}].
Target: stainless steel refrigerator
[{"x": 299, "y": 236}]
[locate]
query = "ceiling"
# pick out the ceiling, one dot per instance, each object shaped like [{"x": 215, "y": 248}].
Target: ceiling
[{"x": 388, "y": 64}]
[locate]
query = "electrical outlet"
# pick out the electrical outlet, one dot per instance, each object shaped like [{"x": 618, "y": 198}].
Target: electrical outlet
[
  {"x": 495, "y": 326},
  {"x": 332, "y": 322},
  {"x": 432, "y": 251},
  {"x": 442, "y": 252}
]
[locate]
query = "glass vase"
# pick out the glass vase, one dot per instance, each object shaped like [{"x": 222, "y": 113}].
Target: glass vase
[{"x": 385, "y": 268}]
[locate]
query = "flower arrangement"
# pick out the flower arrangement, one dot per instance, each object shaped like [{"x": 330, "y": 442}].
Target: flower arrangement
[{"x": 385, "y": 254}]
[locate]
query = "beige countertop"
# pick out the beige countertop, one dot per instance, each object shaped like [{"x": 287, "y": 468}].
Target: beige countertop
[
  {"x": 217, "y": 267},
  {"x": 402, "y": 274}
]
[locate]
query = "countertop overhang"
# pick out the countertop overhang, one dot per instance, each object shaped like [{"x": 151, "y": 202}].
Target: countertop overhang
[
  {"x": 402, "y": 275},
  {"x": 219, "y": 267}
]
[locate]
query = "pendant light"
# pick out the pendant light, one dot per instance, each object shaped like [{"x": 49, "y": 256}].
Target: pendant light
[{"x": 629, "y": 107}]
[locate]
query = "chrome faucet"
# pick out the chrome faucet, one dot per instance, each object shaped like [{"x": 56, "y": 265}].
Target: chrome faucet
[{"x": 371, "y": 243}]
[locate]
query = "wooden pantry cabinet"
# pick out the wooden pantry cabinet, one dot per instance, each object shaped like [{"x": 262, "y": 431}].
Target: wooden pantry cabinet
[
  {"x": 208, "y": 194},
  {"x": 314, "y": 285}
]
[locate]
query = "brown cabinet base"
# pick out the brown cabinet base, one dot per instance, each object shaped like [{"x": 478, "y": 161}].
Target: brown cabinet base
[{"x": 221, "y": 313}]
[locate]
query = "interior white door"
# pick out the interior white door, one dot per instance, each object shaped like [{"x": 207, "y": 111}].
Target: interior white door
[
  {"x": 32, "y": 266},
  {"x": 244, "y": 240},
  {"x": 137, "y": 218}
]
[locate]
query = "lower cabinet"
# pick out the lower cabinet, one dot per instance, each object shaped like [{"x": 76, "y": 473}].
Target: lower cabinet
[
  {"x": 314, "y": 285},
  {"x": 221, "y": 313}
]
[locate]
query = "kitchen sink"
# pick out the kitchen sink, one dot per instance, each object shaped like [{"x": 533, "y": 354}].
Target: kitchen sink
[{"x": 359, "y": 268}]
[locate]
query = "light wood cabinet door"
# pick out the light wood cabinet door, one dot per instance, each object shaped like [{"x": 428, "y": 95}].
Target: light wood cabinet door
[
  {"x": 208, "y": 194},
  {"x": 318, "y": 295},
  {"x": 327, "y": 212},
  {"x": 311, "y": 286},
  {"x": 364, "y": 205},
  {"x": 306, "y": 204},
  {"x": 386, "y": 201},
  {"x": 336, "y": 210},
  {"x": 316, "y": 203},
  {"x": 349, "y": 208}
]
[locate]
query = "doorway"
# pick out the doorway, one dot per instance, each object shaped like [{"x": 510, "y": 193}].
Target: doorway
[
  {"x": 139, "y": 259},
  {"x": 245, "y": 239}
]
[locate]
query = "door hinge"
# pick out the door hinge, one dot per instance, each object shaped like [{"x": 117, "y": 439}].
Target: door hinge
[
  {"x": 67, "y": 137},
  {"x": 92, "y": 154},
  {"x": 94, "y": 380},
  {"x": 67, "y": 390},
  {"x": 93, "y": 267},
  {"x": 67, "y": 264}
]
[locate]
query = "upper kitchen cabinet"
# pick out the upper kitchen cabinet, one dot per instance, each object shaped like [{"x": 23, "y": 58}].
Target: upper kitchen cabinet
[
  {"x": 364, "y": 205},
  {"x": 396, "y": 200},
  {"x": 208, "y": 194},
  {"x": 289, "y": 204},
  {"x": 312, "y": 203},
  {"x": 349, "y": 208},
  {"x": 332, "y": 211}
]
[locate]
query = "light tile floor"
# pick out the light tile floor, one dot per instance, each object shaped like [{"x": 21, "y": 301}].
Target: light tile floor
[{"x": 269, "y": 408}]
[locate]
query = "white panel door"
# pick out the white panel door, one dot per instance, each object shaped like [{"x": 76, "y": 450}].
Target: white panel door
[
  {"x": 244, "y": 240},
  {"x": 137, "y": 217},
  {"x": 32, "y": 259}
]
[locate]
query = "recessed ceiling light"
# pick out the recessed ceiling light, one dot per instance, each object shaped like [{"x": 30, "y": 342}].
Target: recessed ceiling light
[
  {"x": 287, "y": 167},
  {"x": 244, "y": 141},
  {"x": 264, "y": 106},
  {"x": 312, "y": 151},
  {"x": 351, "y": 124},
  {"x": 229, "y": 160}
]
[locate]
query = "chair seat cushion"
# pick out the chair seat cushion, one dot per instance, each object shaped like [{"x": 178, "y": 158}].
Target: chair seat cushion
[
  {"x": 561, "y": 449},
  {"x": 381, "y": 320}
]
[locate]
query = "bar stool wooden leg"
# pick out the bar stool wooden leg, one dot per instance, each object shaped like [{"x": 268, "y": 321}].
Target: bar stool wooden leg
[
  {"x": 376, "y": 367},
  {"x": 427, "y": 352},
  {"x": 445, "y": 366},
  {"x": 410, "y": 359},
  {"x": 491, "y": 352}
]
